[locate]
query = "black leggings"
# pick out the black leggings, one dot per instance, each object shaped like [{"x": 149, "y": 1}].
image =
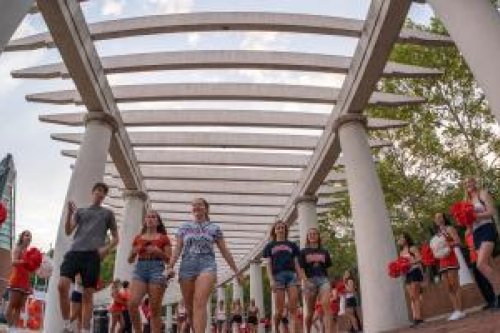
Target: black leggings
[{"x": 483, "y": 284}]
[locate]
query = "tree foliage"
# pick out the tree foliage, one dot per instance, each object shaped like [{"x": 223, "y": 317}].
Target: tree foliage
[{"x": 450, "y": 137}]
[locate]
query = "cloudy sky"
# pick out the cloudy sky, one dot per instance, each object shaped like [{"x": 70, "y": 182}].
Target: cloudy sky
[{"x": 43, "y": 174}]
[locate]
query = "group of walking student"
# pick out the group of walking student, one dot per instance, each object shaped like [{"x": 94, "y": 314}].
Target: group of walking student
[{"x": 294, "y": 273}]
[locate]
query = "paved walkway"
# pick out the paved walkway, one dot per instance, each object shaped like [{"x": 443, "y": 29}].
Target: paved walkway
[{"x": 477, "y": 322}]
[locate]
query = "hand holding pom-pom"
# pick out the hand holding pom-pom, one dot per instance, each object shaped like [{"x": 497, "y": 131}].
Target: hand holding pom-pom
[
  {"x": 428, "y": 258},
  {"x": 394, "y": 270},
  {"x": 404, "y": 264},
  {"x": 32, "y": 259}
]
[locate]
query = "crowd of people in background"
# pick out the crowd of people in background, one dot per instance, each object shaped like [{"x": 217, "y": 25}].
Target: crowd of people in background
[{"x": 296, "y": 275}]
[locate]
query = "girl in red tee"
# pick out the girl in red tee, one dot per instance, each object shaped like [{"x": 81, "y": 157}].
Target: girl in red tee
[{"x": 152, "y": 250}]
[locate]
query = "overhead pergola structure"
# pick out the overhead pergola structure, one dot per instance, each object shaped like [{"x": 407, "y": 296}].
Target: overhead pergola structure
[{"x": 254, "y": 166}]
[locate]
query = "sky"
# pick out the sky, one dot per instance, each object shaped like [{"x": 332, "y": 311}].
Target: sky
[{"x": 43, "y": 174}]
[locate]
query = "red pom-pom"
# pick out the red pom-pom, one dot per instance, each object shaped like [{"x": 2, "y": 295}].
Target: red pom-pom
[
  {"x": 32, "y": 259},
  {"x": 33, "y": 324},
  {"x": 427, "y": 255},
  {"x": 463, "y": 212},
  {"x": 340, "y": 286},
  {"x": 394, "y": 269},
  {"x": 3, "y": 213},
  {"x": 404, "y": 264}
]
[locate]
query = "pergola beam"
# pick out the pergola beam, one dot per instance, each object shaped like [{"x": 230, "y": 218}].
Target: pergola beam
[
  {"x": 223, "y": 59},
  {"x": 154, "y": 92},
  {"x": 217, "y": 140},
  {"x": 227, "y": 118},
  {"x": 225, "y": 21}
]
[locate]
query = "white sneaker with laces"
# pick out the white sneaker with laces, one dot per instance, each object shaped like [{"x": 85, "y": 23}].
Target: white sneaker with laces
[{"x": 456, "y": 315}]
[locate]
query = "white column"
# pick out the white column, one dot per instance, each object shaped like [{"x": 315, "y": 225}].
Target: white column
[
  {"x": 169, "y": 318},
  {"x": 221, "y": 294},
  {"x": 11, "y": 15},
  {"x": 256, "y": 289},
  {"x": 384, "y": 304},
  {"x": 89, "y": 169},
  {"x": 307, "y": 216},
  {"x": 479, "y": 42},
  {"x": 237, "y": 291},
  {"x": 130, "y": 227}
]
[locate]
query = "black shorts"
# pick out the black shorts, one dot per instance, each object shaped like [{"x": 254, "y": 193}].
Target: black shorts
[
  {"x": 238, "y": 319},
  {"x": 485, "y": 233},
  {"x": 414, "y": 275},
  {"x": 252, "y": 320},
  {"x": 284, "y": 320},
  {"x": 351, "y": 302},
  {"x": 87, "y": 263},
  {"x": 76, "y": 297}
]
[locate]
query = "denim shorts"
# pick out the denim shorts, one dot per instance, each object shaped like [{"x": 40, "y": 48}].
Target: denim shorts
[
  {"x": 150, "y": 271},
  {"x": 285, "y": 279},
  {"x": 192, "y": 266},
  {"x": 317, "y": 283}
]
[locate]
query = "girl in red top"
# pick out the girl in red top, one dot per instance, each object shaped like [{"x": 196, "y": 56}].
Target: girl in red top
[
  {"x": 19, "y": 282},
  {"x": 448, "y": 266},
  {"x": 152, "y": 249},
  {"x": 117, "y": 307}
]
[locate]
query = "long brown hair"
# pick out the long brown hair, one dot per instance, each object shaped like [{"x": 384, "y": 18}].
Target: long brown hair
[
  {"x": 160, "y": 228},
  {"x": 21, "y": 236},
  {"x": 308, "y": 244},
  {"x": 273, "y": 230}
]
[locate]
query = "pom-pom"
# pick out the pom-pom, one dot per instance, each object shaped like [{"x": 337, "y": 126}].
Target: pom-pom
[
  {"x": 45, "y": 269},
  {"x": 32, "y": 259},
  {"x": 3, "y": 213},
  {"x": 404, "y": 264},
  {"x": 340, "y": 286},
  {"x": 394, "y": 269},
  {"x": 463, "y": 212},
  {"x": 427, "y": 255}
]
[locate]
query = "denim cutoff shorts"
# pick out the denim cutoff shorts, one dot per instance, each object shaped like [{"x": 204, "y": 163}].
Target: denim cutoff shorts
[
  {"x": 193, "y": 265},
  {"x": 317, "y": 284},
  {"x": 150, "y": 271},
  {"x": 285, "y": 279}
]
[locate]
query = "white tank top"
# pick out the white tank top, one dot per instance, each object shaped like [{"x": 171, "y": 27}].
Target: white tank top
[{"x": 479, "y": 207}]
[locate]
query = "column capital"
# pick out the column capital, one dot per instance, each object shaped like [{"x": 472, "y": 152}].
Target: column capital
[
  {"x": 135, "y": 194},
  {"x": 350, "y": 118},
  {"x": 306, "y": 198},
  {"x": 256, "y": 261},
  {"x": 103, "y": 118}
]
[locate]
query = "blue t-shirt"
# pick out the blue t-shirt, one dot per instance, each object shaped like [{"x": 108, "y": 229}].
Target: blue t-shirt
[
  {"x": 282, "y": 255},
  {"x": 199, "y": 238}
]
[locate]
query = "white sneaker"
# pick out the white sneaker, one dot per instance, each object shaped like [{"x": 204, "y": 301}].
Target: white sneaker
[{"x": 456, "y": 315}]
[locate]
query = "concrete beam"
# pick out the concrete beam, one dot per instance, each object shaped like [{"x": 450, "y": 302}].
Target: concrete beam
[
  {"x": 222, "y": 91},
  {"x": 246, "y": 118},
  {"x": 223, "y": 59},
  {"x": 217, "y": 140},
  {"x": 216, "y": 158},
  {"x": 228, "y": 21},
  {"x": 219, "y": 209}
]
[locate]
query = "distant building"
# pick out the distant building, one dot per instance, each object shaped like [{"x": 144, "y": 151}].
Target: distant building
[{"x": 8, "y": 228}]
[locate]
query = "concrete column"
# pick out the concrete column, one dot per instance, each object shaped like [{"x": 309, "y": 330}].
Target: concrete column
[
  {"x": 237, "y": 291},
  {"x": 479, "y": 42},
  {"x": 256, "y": 289},
  {"x": 131, "y": 226},
  {"x": 89, "y": 169},
  {"x": 11, "y": 15},
  {"x": 384, "y": 304},
  {"x": 307, "y": 216},
  {"x": 221, "y": 294},
  {"x": 169, "y": 318}
]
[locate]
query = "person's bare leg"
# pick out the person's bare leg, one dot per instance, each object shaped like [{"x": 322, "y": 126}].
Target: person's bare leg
[
  {"x": 64, "y": 303},
  {"x": 310, "y": 299},
  {"x": 278, "y": 309},
  {"x": 204, "y": 285},
  {"x": 137, "y": 291},
  {"x": 187, "y": 290},
  {"x": 484, "y": 262},
  {"x": 156, "y": 292},
  {"x": 14, "y": 303},
  {"x": 324, "y": 297},
  {"x": 87, "y": 307},
  {"x": 293, "y": 296}
]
